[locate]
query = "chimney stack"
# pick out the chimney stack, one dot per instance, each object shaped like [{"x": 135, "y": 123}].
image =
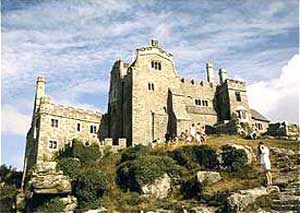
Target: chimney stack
[
  {"x": 154, "y": 43},
  {"x": 210, "y": 72},
  {"x": 222, "y": 75}
]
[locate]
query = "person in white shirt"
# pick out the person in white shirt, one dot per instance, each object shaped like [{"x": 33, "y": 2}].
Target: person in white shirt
[
  {"x": 264, "y": 153},
  {"x": 193, "y": 131}
]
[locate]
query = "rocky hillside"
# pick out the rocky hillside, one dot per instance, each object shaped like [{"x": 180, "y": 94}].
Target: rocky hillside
[{"x": 220, "y": 176}]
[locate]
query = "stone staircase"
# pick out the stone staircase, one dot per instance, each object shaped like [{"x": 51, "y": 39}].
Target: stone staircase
[{"x": 288, "y": 199}]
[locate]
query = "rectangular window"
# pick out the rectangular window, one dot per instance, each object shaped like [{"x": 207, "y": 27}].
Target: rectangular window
[
  {"x": 156, "y": 65},
  {"x": 198, "y": 102},
  {"x": 238, "y": 96},
  {"x": 93, "y": 129},
  {"x": 78, "y": 127},
  {"x": 54, "y": 123},
  {"x": 52, "y": 144}
]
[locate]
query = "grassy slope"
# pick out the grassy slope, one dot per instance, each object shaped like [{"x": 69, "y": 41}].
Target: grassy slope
[{"x": 115, "y": 199}]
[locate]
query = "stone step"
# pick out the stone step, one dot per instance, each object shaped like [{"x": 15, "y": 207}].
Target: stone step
[
  {"x": 297, "y": 193},
  {"x": 286, "y": 202},
  {"x": 290, "y": 189},
  {"x": 288, "y": 207}
]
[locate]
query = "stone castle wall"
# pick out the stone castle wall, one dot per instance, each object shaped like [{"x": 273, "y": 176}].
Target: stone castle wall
[{"x": 68, "y": 118}]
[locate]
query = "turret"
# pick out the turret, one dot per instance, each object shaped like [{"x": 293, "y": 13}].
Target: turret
[
  {"x": 40, "y": 91},
  {"x": 154, "y": 43},
  {"x": 210, "y": 72},
  {"x": 222, "y": 75}
]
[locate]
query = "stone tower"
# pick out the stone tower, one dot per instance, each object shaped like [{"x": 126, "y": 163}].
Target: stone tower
[
  {"x": 210, "y": 72},
  {"x": 232, "y": 98}
]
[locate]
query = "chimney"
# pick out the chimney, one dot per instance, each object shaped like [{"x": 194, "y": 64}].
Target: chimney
[
  {"x": 210, "y": 72},
  {"x": 40, "y": 91},
  {"x": 154, "y": 43},
  {"x": 222, "y": 75}
]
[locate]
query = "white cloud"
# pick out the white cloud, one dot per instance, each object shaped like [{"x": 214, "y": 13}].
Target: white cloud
[
  {"x": 13, "y": 121},
  {"x": 278, "y": 98}
]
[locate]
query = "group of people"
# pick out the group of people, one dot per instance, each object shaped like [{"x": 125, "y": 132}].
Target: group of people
[{"x": 194, "y": 134}]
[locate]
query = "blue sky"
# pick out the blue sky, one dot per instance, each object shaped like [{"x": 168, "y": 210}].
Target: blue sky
[{"x": 74, "y": 44}]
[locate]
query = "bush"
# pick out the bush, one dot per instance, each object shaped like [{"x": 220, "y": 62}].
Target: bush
[
  {"x": 234, "y": 159},
  {"x": 48, "y": 204},
  {"x": 10, "y": 176},
  {"x": 86, "y": 154},
  {"x": 90, "y": 187},
  {"x": 70, "y": 167},
  {"x": 7, "y": 197},
  {"x": 191, "y": 188},
  {"x": 194, "y": 156},
  {"x": 135, "y": 152},
  {"x": 145, "y": 170}
]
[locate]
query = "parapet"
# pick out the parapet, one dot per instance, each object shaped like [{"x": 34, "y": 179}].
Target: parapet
[
  {"x": 199, "y": 83},
  {"x": 235, "y": 83},
  {"x": 154, "y": 48}
]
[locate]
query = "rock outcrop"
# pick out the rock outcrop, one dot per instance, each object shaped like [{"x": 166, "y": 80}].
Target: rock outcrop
[
  {"x": 46, "y": 179},
  {"x": 247, "y": 149},
  {"x": 159, "y": 189},
  {"x": 241, "y": 199},
  {"x": 208, "y": 177},
  {"x": 70, "y": 203}
]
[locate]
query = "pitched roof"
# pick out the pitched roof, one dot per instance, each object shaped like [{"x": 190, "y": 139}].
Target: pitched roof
[{"x": 257, "y": 116}]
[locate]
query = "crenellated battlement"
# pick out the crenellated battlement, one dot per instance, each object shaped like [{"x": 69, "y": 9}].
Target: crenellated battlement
[
  {"x": 231, "y": 83},
  {"x": 60, "y": 110},
  {"x": 154, "y": 49},
  {"x": 196, "y": 83}
]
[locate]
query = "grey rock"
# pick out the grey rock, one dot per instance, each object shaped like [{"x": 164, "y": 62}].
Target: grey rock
[
  {"x": 208, "y": 177},
  {"x": 46, "y": 180},
  {"x": 241, "y": 199},
  {"x": 159, "y": 189}
]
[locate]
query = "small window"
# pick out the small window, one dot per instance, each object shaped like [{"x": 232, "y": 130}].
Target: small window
[
  {"x": 206, "y": 103},
  {"x": 52, "y": 144},
  {"x": 78, "y": 127},
  {"x": 238, "y": 96},
  {"x": 203, "y": 102},
  {"x": 156, "y": 65},
  {"x": 54, "y": 123},
  {"x": 93, "y": 129},
  {"x": 165, "y": 109},
  {"x": 198, "y": 102},
  {"x": 151, "y": 86}
]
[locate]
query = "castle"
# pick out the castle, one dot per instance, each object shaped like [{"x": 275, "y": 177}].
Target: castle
[{"x": 146, "y": 99}]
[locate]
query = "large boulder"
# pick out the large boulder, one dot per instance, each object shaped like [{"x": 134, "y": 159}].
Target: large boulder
[
  {"x": 241, "y": 199},
  {"x": 46, "y": 179},
  {"x": 208, "y": 177},
  {"x": 70, "y": 203},
  {"x": 159, "y": 189},
  {"x": 247, "y": 149}
]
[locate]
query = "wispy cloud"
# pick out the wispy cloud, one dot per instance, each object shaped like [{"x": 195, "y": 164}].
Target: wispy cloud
[{"x": 74, "y": 43}]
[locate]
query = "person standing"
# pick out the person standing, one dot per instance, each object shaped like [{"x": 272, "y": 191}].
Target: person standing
[
  {"x": 264, "y": 153},
  {"x": 193, "y": 131}
]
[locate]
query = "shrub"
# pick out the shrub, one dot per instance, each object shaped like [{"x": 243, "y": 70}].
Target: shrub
[
  {"x": 145, "y": 170},
  {"x": 194, "y": 156},
  {"x": 86, "y": 154},
  {"x": 48, "y": 204},
  {"x": 70, "y": 166},
  {"x": 191, "y": 188},
  {"x": 135, "y": 152},
  {"x": 10, "y": 176},
  {"x": 234, "y": 159},
  {"x": 90, "y": 187},
  {"x": 7, "y": 197}
]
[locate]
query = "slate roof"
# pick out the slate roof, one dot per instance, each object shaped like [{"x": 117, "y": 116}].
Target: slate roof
[{"x": 257, "y": 116}]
